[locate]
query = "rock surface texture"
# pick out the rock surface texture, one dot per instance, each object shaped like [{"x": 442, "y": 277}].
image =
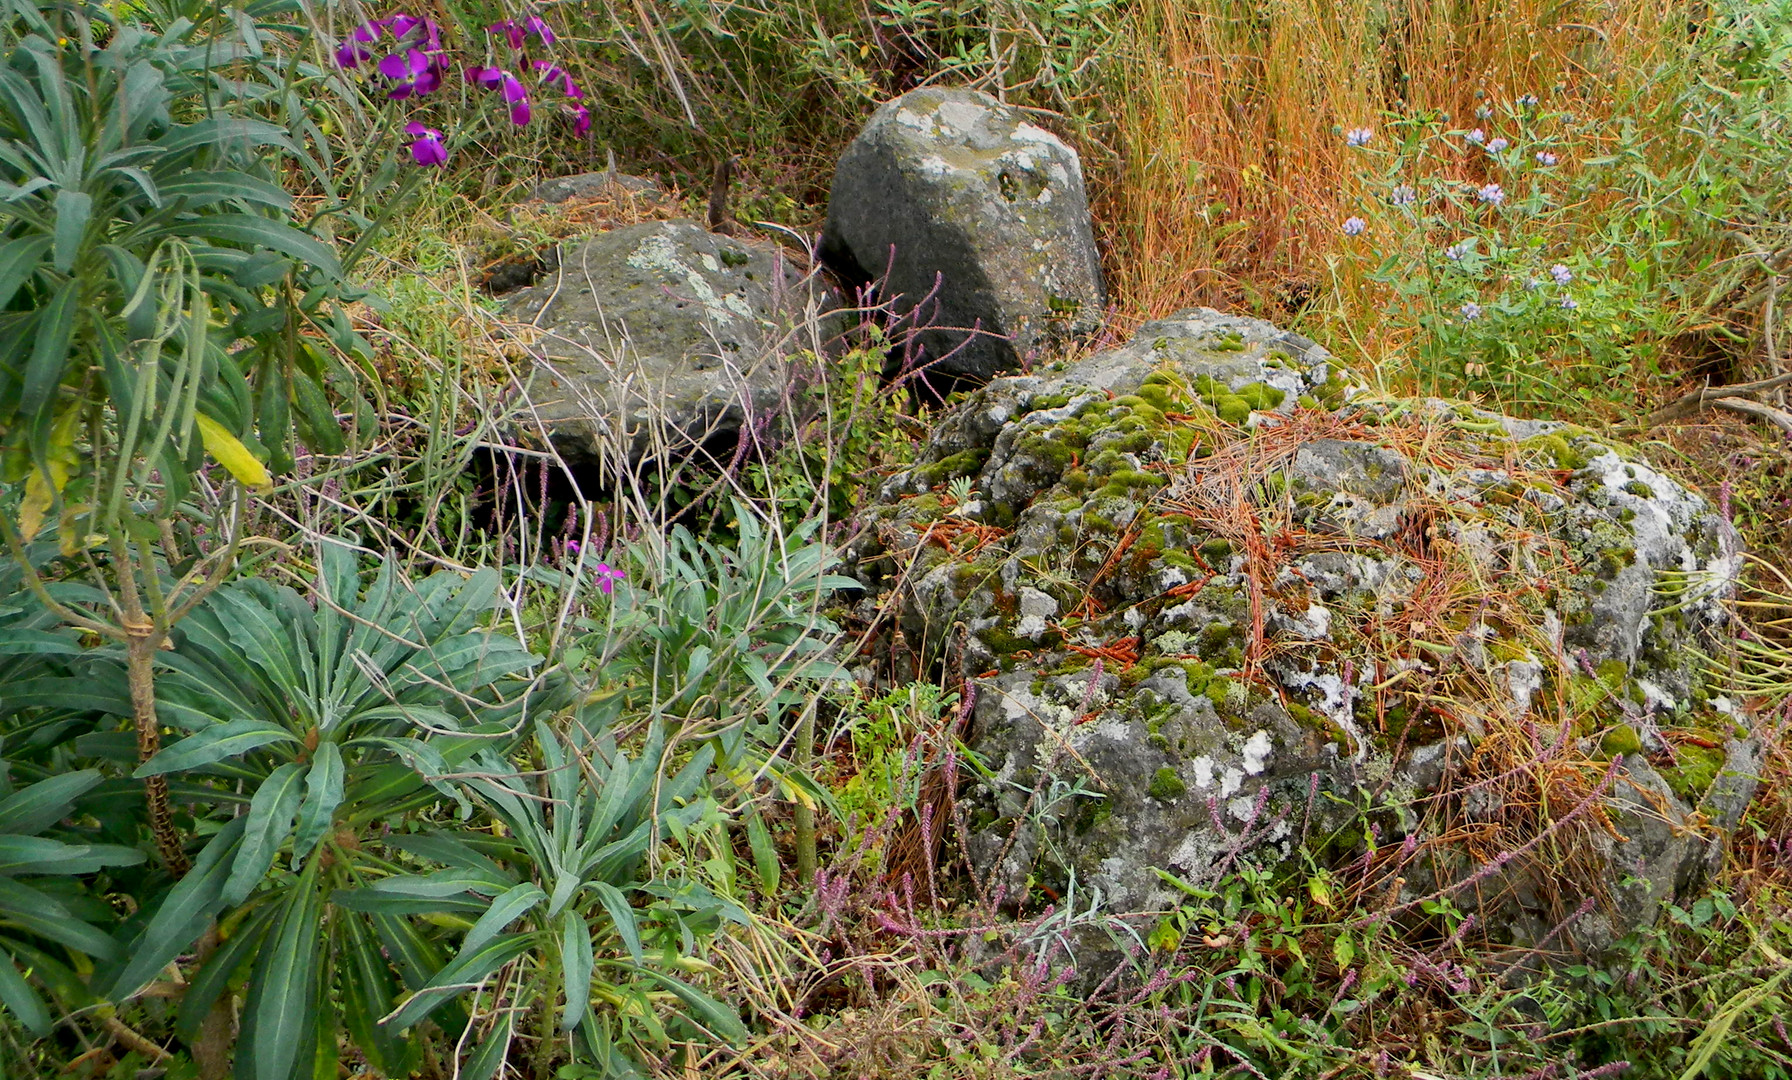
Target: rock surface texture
[
  {"x": 662, "y": 332},
  {"x": 1216, "y": 604},
  {"x": 977, "y": 217}
]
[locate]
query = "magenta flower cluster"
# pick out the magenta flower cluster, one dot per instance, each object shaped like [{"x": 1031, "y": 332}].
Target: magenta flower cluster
[
  {"x": 406, "y": 52},
  {"x": 516, "y": 34}
]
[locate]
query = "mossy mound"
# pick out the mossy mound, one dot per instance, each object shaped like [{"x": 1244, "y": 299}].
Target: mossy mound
[{"x": 1207, "y": 577}]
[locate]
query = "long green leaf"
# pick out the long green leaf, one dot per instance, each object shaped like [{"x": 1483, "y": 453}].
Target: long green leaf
[
  {"x": 212, "y": 979},
  {"x": 20, "y": 999},
  {"x": 42, "y": 855},
  {"x": 31, "y": 810},
  {"x": 49, "y": 350},
  {"x": 271, "y": 813},
  {"x": 622, "y": 914},
  {"x": 505, "y": 910},
  {"x": 576, "y": 961},
  {"x": 454, "y": 979},
  {"x": 215, "y": 744},
  {"x": 182, "y": 917},
  {"x": 19, "y": 260},
  {"x": 74, "y": 209},
  {"x": 47, "y": 917},
  {"x": 283, "y": 994},
  {"x": 253, "y": 231},
  {"x": 493, "y": 1049},
  {"x": 323, "y": 794}
]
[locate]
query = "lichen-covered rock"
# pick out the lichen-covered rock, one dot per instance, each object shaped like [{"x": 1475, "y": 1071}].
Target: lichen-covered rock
[
  {"x": 666, "y": 328},
  {"x": 1218, "y": 603},
  {"x": 976, "y": 214},
  {"x": 594, "y": 185}
]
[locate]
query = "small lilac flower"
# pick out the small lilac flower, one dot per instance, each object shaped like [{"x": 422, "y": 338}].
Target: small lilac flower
[
  {"x": 1470, "y": 312},
  {"x": 1483, "y": 113},
  {"x": 607, "y": 577},
  {"x": 1533, "y": 284},
  {"x": 426, "y": 145},
  {"x": 1476, "y": 136},
  {"x": 1568, "y": 303},
  {"x": 1354, "y": 226},
  {"x": 1455, "y": 252},
  {"x": 1561, "y": 273},
  {"x": 1358, "y": 136},
  {"x": 1492, "y": 193},
  {"x": 1403, "y": 195},
  {"x": 1529, "y": 101},
  {"x": 1498, "y": 146},
  {"x": 1545, "y": 158}
]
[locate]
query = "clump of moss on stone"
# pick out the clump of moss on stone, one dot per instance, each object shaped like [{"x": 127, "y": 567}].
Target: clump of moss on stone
[
  {"x": 963, "y": 463},
  {"x": 1556, "y": 449},
  {"x": 1166, "y": 785},
  {"x": 1694, "y": 771},
  {"x": 1622, "y": 739}
]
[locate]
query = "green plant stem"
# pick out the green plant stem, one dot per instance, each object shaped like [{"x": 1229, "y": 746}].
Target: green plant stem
[{"x": 805, "y": 814}]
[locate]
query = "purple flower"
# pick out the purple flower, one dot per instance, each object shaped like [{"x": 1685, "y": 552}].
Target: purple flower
[
  {"x": 509, "y": 30},
  {"x": 518, "y": 97},
  {"x": 1529, "y": 101},
  {"x": 1545, "y": 158},
  {"x": 1561, "y": 273},
  {"x": 534, "y": 25},
  {"x": 1498, "y": 146},
  {"x": 354, "y": 52},
  {"x": 1403, "y": 195},
  {"x": 1476, "y": 136},
  {"x": 1568, "y": 303},
  {"x": 1492, "y": 193},
  {"x": 410, "y": 72},
  {"x": 1483, "y": 113},
  {"x": 426, "y": 145},
  {"x": 1354, "y": 226},
  {"x": 1471, "y": 312},
  {"x": 1358, "y": 136},
  {"x": 581, "y": 119},
  {"x": 607, "y": 577}
]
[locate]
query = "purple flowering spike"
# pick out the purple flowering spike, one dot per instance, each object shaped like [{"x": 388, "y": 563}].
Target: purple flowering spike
[
  {"x": 426, "y": 145},
  {"x": 537, "y": 26}
]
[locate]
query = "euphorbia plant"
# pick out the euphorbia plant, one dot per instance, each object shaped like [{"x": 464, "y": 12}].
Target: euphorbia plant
[{"x": 159, "y": 309}]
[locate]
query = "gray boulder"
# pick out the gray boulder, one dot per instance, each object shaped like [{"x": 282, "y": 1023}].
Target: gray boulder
[
  {"x": 952, "y": 187},
  {"x": 1217, "y": 605},
  {"x": 663, "y": 335}
]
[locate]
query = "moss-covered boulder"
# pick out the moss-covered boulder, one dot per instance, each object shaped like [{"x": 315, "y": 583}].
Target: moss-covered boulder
[
  {"x": 1216, "y": 602},
  {"x": 957, "y": 204}
]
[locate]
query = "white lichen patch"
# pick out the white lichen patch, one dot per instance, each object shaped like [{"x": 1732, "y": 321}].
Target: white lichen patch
[
  {"x": 1203, "y": 767},
  {"x": 1257, "y": 752},
  {"x": 658, "y": 254}
]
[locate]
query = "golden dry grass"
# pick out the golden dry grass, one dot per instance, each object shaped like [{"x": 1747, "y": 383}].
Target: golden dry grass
[{"x": 1232, "y": 172}]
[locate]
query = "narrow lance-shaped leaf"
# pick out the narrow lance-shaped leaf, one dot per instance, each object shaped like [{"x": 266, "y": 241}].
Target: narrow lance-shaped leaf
[
  {"x": 214, "y": 744},
  {"x": 270, "y": 821}
]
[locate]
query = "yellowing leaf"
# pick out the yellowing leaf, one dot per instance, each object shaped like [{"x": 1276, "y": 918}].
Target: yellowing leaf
[
  {"x": 227, "y": 450},
  {"x": 41, "y": 490}
]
